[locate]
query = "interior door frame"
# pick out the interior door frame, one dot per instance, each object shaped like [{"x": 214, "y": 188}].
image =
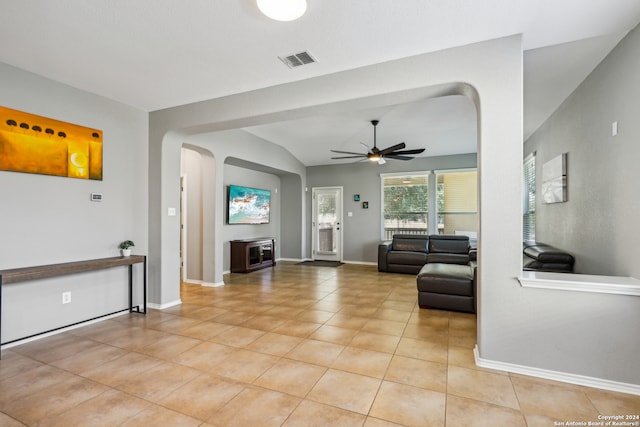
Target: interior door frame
[
  {"x": 340, "y": 227},
  {"x": 183, "y": 228}
]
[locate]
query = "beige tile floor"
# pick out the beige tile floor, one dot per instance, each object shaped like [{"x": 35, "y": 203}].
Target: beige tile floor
[{"x": 291, "y": 346}]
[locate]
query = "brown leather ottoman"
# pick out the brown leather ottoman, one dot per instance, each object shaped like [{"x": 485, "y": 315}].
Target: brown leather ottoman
[{"x": 447, "y": 286}]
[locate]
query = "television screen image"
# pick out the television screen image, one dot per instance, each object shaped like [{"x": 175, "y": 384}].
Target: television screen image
[{"x": 248, "y": 205}]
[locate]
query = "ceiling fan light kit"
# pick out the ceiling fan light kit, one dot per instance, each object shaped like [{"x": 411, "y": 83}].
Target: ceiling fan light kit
[
  {"x": 282, "y": 10},
  {"x": 377, "y": 155}
]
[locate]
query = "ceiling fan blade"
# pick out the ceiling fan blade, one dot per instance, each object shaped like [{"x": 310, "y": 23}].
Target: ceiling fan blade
[
  {"x": 366, "y": 146},
  {"x": 346, "y": 152},
  {"x": 416, "y": 151},
  {"x": 393, "y": 156},
  {"x": 350, "y": 157},
  {"x": 374, "y": 153},
  {"x": 393, "y": 148}
]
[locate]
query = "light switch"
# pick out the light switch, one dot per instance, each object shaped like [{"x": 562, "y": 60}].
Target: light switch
[
  {"x": 172, "y": 212},
  {"x": 349, "y": 213},
  {"x": 614, "y": 128}
]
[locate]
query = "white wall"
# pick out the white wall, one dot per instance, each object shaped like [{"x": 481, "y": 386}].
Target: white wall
[{"x": 47, "y": 219}]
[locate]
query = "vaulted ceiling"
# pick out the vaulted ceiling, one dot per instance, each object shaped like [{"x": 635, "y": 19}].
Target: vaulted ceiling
[{"x": 156, "y": 54}]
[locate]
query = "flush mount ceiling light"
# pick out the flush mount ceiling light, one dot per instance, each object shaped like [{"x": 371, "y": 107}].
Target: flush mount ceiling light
[{"x": 282, "y": 10}]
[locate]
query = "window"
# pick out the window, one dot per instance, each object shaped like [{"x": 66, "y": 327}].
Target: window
[
  {"x": 406, "y": 201},
  {"x": 529, "y": 199},
  {"x": 457, "y": 203}
]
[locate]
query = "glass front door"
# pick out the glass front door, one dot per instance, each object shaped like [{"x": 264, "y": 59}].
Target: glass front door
[{"x": 327, "y": 224}]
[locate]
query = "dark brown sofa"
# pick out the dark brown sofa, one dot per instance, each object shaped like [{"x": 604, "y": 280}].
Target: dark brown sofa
[
  {"x": 538, "y": 256},
  {"x": 445, "y": 267},
  {"x": 408, "y": 253}
]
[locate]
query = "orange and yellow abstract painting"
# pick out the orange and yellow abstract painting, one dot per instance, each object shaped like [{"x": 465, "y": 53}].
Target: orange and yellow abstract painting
[{"x": 36, "y": 144}]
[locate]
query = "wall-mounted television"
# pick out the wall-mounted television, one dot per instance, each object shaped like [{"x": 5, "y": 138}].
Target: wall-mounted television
[{"x": 247, "y": 205}]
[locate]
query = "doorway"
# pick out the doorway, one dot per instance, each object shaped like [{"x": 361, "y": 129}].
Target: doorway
[{"x": 327, "y": 223}]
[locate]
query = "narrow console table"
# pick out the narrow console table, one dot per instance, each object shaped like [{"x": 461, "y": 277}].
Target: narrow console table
[
  {"x": 252, "y": 254},
  {"x": 17, "y": 275}
]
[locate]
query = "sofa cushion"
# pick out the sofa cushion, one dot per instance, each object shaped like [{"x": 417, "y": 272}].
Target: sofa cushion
[
  {"x": 548, "y": 254},
  {"x": 530, "y": 264},
  {"x": 407, "y": 258},
  {"x": 449, "y": 244},
  {"x": 410, "y": 243},
  {"x": 404, "y": 268},
  {"x": 444, "y": 258}
]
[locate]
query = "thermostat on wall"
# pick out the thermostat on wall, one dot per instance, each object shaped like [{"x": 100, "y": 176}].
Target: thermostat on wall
[{"x": 96, "y": 197}]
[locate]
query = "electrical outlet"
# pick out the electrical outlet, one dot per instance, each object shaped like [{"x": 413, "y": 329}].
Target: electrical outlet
[{"x": 66, "y": 297}]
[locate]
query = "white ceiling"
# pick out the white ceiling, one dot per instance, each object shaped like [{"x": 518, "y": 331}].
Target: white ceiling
[{"x": 155, "y": 54}]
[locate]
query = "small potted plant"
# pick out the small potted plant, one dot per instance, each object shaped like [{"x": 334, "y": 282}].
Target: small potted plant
[{"x": 126, "y": 247}]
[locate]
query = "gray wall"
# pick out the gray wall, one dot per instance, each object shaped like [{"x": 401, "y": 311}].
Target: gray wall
[
  {"x": 361, "y": 232},
  {"x": 599, "y": 222},
  {"x": 291, "y": 218},
  {"x": 588, "y": 333},
  {"x": 47, "y": 219}
]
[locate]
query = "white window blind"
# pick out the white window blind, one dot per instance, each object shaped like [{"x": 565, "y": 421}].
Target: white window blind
[
  {"x": 529, "y": 199},
  {"x": 457, "y": 203}
]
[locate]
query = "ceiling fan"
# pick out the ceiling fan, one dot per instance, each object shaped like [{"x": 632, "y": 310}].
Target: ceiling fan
[{"x": 377, "y": 155}]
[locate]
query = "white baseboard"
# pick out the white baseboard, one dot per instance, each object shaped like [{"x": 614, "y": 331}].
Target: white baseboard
[
  {"x": 311, "y": 259},
  {"x": 203, "y": 283},
  {"x": 360, "y": 262},
  {"x": 564, "y": 377},
  {"x": 66, "y": 329},
  {"x": 165, "y": 305},
  {"x": 212, "y": 284}
]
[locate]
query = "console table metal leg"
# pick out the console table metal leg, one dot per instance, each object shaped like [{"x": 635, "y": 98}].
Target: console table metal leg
[
  {"x": 0, "y": 316},
  {"x": 144, "y": 284},
  {"x": 130, "y": 288}
]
